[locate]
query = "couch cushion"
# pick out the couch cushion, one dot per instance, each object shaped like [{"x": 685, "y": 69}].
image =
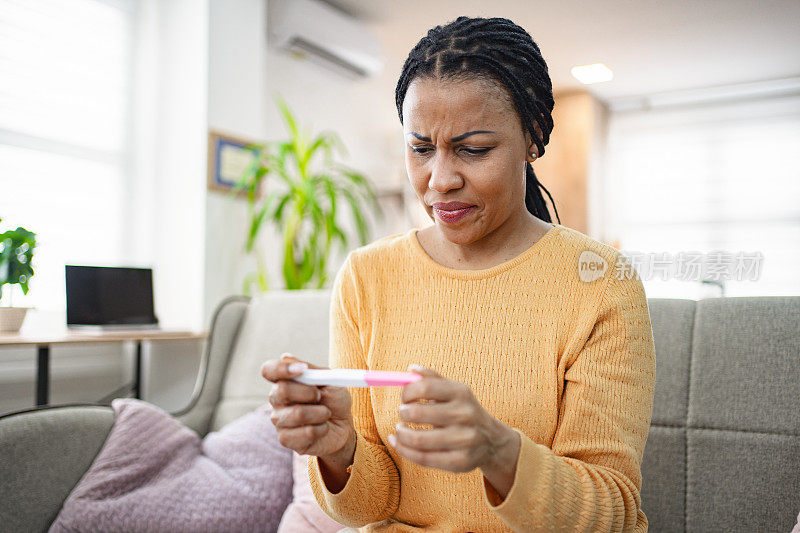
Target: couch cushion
[
  {"x": 275, "y": 322},
  {"x": 740, "y": 481},
  {"x": 745, "y": 367},
  {"x": 672, "y": 322},
  {"x": 45, "y": 453},
  {"x": 664, "y": 479}
]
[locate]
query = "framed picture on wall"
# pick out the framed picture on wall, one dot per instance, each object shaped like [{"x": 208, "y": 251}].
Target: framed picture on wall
[{"x": 228, "y": 158}]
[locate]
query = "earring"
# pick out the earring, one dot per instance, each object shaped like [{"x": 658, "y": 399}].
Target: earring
[{"x": 533, "y": 155}]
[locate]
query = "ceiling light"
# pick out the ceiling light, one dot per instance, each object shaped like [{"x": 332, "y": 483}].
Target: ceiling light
[{"x": 594, "y": 73}]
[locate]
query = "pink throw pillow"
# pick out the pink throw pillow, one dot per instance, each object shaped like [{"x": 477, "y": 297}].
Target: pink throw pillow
[{"x": 304, "y": 513}]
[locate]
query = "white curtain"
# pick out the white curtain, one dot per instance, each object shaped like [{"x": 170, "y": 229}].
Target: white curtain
[
  {"x": 718, "y": 182},
  {"x": 65, "y": 133}
]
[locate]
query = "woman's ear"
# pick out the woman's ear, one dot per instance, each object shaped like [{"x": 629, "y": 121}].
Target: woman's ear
[
  {"x": 533, "y": 150},
  {"x": 532, "y": 153}
]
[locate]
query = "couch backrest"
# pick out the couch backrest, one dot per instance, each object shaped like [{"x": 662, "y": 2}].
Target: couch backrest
[
  {"x": 723, "y": 453},
  {"x": 275, "y": 322}
]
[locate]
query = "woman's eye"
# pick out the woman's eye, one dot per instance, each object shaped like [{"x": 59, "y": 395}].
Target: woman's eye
[
  {"x": 470, "y": 151},
  {"x": 476, "y": 151}
]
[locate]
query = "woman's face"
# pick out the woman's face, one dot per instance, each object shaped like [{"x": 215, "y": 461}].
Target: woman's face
[{"x": 464, "y": 143}]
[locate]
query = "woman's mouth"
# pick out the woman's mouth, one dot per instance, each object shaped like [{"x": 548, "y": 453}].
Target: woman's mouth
[{"x": 453, "y": 216}]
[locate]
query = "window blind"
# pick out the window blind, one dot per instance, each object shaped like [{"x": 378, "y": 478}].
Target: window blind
[
  {"x": 65, "y": 122},
  {"x": 719, "y": 180}
]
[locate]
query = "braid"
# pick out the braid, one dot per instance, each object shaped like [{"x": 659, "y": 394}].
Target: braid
[{"x": 505, "y": 52}]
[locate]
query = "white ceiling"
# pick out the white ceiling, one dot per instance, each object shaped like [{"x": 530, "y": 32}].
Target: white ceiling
[{"x": 652, "y": 46}]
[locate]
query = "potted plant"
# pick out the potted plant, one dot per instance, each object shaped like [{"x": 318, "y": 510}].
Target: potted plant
[
  {"x": 16, "y": 253},
  {"x": 309, "y": 190}
]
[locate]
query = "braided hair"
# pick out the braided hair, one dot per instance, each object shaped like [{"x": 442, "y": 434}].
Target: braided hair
[{"x": 504, "y": 52}]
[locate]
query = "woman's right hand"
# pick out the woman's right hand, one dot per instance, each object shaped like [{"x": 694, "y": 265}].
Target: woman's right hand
[{"x": 310, "y": 420}]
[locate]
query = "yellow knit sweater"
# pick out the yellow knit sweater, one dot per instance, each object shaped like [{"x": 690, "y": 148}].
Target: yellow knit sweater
[{"x": 569, "y": 363}]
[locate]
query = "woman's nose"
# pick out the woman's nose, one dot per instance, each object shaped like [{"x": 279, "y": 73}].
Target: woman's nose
[{"x": 444, "y": 176}]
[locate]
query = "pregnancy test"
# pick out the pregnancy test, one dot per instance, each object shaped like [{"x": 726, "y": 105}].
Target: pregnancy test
[{"x": 345, "y": 377}]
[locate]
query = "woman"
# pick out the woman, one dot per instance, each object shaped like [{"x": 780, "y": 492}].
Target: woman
[{"x": 537, "y": 389}]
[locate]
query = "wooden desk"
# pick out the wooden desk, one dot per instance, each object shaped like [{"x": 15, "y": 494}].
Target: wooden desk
[{"x": 44, "y": 341}]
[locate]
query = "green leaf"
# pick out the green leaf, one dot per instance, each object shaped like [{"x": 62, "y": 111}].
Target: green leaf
[
  {"x": 290, "y": 271},
  {"x": 263, "y": 285},
  {"x": 257, "y": 220},
  {"x": 326, "y": 141},
  {"x": 355, "y": 177},
  {"x": 366, "y": 190},
  {"x": 16, "y": 255},
  {"x": 330, "y": 188},
  {"x": 355, "y": 208},
  {"x": 277, "y": 215},
  {"x": 254, "y": 173},
  {"x": 288, "y": 117},
  {"x": 247, "y": 284},
  {"x": 307, "y": 266}
]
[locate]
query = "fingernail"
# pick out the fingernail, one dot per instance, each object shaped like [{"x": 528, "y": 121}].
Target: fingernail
[
  {"x": 403, "y": 407},
  {"x": 414, "y": 368},
  {"x": 286, "y": 355},
  {"x": 298, "y": 367},
  {"x": 319, "y": 395},
  {"x": 397, "y": 426},
  {"x": 392, "y": 441}
]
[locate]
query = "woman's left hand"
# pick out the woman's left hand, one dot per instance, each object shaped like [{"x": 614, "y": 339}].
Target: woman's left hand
[{"x": 464, "y": 435}]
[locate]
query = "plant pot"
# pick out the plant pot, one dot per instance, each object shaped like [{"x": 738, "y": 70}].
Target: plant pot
[{"x": 11, "y": 318}]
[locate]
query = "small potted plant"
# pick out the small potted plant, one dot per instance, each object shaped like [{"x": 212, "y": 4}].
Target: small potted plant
[{"x": 16, "y": 253}]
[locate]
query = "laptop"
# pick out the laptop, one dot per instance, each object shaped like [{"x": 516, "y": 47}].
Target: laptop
[{"x": 110, "y": 298}]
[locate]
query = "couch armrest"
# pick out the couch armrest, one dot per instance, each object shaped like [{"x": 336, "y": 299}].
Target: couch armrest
[
  {"x": 45, "y": 453},
  {"x": 225, "y": 325}
]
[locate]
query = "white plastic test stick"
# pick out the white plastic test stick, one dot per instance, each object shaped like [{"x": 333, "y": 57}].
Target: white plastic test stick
[{"x": 345, "y": 377}]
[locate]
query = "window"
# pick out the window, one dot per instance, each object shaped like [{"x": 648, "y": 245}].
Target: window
[
  {"x": 719, "y": 177},
  {"x": 65, "y": 123}
]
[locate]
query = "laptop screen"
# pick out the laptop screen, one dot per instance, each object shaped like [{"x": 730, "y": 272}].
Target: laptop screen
[{"x": 109, "y": 295}]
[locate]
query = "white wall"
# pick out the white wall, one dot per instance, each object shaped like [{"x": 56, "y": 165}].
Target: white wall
[
  {"x": 167, "y": 219},
  {"x": 165, "y": 215},
  {"x": 180, "y": 161}
]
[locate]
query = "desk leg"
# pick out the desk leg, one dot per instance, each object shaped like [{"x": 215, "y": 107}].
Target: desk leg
[
  {"x": 137, "y": 372},
  {"x": 43, "y": 375}
]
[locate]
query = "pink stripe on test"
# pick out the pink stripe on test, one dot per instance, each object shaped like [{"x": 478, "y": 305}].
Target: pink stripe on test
[{"x": 381, "y": 378}]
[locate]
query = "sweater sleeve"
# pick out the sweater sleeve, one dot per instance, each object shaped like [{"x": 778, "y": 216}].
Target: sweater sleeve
[
  {"x": 372, "y": 492},
  {"x": 590, "y": 479}
]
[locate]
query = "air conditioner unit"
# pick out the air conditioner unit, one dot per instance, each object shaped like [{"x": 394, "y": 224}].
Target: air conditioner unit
[{"x": 321, "y": 30}]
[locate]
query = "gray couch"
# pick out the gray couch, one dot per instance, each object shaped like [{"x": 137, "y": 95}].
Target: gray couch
[{"x": 723, "y": 453}]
